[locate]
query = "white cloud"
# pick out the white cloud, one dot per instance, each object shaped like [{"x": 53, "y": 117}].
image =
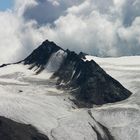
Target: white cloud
[
  {"x": 99, "y": 28},
  {"x": 8, "y": 36},
  {"x": 21, "y": 6},
  {"x": 103, "y": 28},
  {"x": 17, "y": 38}
]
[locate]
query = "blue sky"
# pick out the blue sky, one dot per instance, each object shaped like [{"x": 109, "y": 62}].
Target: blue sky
[{"x": 5, "y": 4}]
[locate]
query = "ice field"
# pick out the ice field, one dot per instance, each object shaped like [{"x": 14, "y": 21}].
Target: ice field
[{"x": 34, "y": 99}]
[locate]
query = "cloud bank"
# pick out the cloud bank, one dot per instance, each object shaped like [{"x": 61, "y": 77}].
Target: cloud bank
[{"x": 102, "y": 28}]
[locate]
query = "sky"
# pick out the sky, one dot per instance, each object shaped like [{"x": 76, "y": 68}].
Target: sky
[
  {"x": 5, "y": 4},
  {"x": 104, "y": 28}
]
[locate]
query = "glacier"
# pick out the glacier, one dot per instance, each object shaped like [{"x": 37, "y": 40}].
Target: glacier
[
  {"x": 33, "y": 98},
  {"x": 48, "y": 109}
]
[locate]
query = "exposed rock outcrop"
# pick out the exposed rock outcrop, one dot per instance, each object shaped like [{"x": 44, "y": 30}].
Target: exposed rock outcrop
[
  {"x": 11, "y": 130},
  {"x": 91, "y": 84}
]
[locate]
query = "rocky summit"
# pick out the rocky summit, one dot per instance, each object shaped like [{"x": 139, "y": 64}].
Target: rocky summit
[{"x": 86, "y": 80}]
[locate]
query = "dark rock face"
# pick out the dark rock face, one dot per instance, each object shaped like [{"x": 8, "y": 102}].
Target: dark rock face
[
  {"x": 10, "y": 130},
  {"x": 40, "y": 56},
  {"x": 91, "y": 84}
]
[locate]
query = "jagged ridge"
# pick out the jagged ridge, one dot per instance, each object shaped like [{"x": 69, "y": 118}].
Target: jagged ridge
[{"x": 91, "y": 83}]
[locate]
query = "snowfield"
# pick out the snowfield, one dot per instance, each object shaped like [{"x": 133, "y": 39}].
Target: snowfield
[
  {"x": 122, "y": 118},
  {"x": 33, "y": 99}
]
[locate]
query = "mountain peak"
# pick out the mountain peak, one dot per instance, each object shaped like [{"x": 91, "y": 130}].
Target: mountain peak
[
  {"x": 41, "y": 55},
  {"x": 86, "y": 80},
  {"x": 48, "y": 43},
  {"x": 90, "y": 83}
]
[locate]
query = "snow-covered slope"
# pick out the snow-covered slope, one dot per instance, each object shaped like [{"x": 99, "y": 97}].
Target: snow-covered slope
[
  {"x": 31, "y": 98},
  {"x": 125, "y": 69},
  {"x": 123, "y": 118}
]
